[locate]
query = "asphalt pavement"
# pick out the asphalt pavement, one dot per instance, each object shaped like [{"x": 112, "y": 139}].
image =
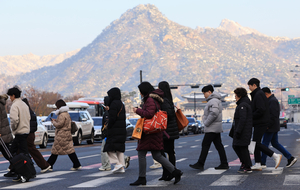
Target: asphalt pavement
[{"x": 187, "y": 152}]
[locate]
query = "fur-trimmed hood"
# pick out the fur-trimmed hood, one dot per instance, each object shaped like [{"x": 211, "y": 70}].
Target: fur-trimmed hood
[
  {"x": 157, "y": 95},
  {"x": 61, "y": 110}
]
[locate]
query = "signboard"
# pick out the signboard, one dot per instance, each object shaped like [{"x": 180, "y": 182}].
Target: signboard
[
  {"x": 294, "y": 101},
  {"x": 291, "y": 96}
]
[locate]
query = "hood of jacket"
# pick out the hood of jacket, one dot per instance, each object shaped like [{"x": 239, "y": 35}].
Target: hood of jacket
[
  {"x": 114, "y": 94},
  {"x": 61, "y": 110},
  {"x": 244, "y": 99},
  {"x": 214, "y": 95},
  {"x": 157, "y": 95}
]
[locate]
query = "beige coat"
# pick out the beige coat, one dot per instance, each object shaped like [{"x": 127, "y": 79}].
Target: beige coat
[
  {"x": 63, "y": 142},
  {"x": 19, "y": 117}
]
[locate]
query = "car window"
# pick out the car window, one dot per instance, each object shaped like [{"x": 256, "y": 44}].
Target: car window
[
  {"x": 97, "y": 121},
  {"x": 191, "y": 120},
  {"x": 51, "y": 115},
  {"x": 133, "y": 121},
  {"x": 86, "y": 116},
  {"x": 74, "y": 116}
]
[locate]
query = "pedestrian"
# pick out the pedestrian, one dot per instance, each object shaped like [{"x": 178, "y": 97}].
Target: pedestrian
[
  {"x": 33, "y": 151},
  {"x": 63, "y": 141},
  {"x": 5, "y": 131},
  {"x": 271, "y": 135},
  {"x": 151, "y": 142},
  {"x": 19, "y": 123},
  {"x": 212, "y": 121},
  {"x": 261, "y": 118},
  {"x": 105, "y": 163},
  {"x": 116, "y": 131},
  {"x": 242, "y": 129},
  {"x": 172, "y": 128}
]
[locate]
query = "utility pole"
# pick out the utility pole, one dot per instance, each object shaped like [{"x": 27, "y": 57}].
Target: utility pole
[{"x": 141, "y": 76}]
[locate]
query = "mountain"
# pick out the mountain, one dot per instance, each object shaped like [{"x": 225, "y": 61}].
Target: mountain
[
  {"x": 17, "y": 64},
  {"x": 144, "y": 39}
]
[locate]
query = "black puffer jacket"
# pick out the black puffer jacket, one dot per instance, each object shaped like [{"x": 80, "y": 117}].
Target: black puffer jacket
[
  {"x": 105, "y": 118},
  {"x": 33, "y": 122},
  {"x": 172, "y": 127},
  {"x": 274, "y": 107},
  {"x": 242, "y": 122},
  {"x": 116, "y": 129},
  {"x": 260, "y": 108}
]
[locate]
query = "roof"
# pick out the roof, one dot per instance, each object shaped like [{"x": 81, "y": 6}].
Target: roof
[{"x": 71, "y": 105}]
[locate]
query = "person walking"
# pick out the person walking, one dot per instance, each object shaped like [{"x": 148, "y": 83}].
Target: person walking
[
  {"x": 172, "y": 128},
  {"x": 105, "y": 163},
  {"x": 271, "y": 135},
  {"x": 63, "y": 141},
  {"x": 5, "y": 131},
  {"x": 116, "y": 131},
  {"x": 151, "y": 142},
  {"x": 261, "y": 118},
  {"x": 20, "y": 125},
  {"x": 212, "y": 121},
  {"x": 33, "y": 151},
  {"x": 242, "y": 129}
]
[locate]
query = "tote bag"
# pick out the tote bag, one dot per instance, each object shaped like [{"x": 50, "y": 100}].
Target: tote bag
[
  {"x": 137, "y": 132},
  {"x": 182, "y": 121},
  {"x": 157, "y": 123}
]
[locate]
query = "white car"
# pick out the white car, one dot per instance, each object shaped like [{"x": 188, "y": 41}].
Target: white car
[
  {"x": 82, "y": 118},
  {"x": 41, "y": 135},
  {"x": 98, "y": 127}
]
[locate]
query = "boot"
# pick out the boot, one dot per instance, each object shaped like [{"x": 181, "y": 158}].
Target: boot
[
  {"x": 177, "y": 174},
  {"x": 169, "y": 178},
  {"x": 140, "y": 181},
  {"x": 165, "y": 175}
]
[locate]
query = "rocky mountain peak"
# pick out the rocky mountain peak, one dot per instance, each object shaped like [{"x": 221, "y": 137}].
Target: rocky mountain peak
[{"x": 236, "y": 29}]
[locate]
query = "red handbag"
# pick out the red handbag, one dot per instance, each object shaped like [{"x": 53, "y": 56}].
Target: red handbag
[{"x": 157, "y": 123}]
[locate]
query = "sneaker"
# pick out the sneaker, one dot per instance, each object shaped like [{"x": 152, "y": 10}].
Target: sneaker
[
  {"x": 51, "y": 169},
  {"x": 104, "y": 169},
  {"x": 247, "y": 170},
  {"x": 127, "y": 161},
  {"x": 18, "y": 178},
  {"x": 120, "y": 170},
  {"x": 222, "y": 167},
  {"x": 263, "y": 166},
  {"x": 241, "y": 170},
  {"x": 46, "y": 169},
  {"x": 117, "y": 167},
  {"x": 74, "y": 169},
  {"x": 155, "y": 166},
  {"x": 197, "y": 166},
  {"x": 291, "y": 162},
  {"x": 256, "y": 167},
  {"x": 10, "y": 174},
  {"x": 277, "y": 159}
]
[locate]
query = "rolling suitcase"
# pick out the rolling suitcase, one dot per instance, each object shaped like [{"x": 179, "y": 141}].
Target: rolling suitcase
[{"x": 20, "y": 163}]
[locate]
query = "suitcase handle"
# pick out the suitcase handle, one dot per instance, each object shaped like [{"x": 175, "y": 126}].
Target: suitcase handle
[{"x": 5, "y": 148}]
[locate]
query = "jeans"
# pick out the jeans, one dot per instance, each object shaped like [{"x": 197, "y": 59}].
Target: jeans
[
  {"x": 257, "y": 136},
  {"x": 207, "y": 140},
  {"x": 273, "y": 138}
]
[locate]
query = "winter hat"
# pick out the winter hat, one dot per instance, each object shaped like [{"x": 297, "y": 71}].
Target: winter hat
[
  {"x": 4, "y": 96},
  {"x": 145, "y": 88}
]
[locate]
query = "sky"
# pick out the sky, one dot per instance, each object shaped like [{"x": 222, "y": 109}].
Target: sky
[{"x": 50, "y": 27}]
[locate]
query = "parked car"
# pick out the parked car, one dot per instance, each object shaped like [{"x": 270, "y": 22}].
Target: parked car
[
  {"x": 82, "y": 118},
  {"x": 193, "y": 125},
  {"x": 200, "y": 127},
  {"x": 133, "y": 121},
  {"x": 283, "y": 122},
  {"x": 98, "y": 128},
  {"x": 41, "y": 135},
  {"x": 129, "y": 128}
]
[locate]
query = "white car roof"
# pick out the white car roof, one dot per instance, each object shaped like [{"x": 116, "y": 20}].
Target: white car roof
[{"x": 71, "y": 105}]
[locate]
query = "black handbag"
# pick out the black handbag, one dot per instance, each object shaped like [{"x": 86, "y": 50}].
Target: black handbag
[{"x": 74, "y": 127}]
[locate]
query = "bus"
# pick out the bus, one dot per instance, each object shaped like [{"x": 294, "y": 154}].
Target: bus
[{"x": 95, "y": 105}]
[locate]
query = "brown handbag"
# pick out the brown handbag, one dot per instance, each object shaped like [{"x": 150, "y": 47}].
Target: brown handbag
[
  {"x": 137, "y": 132},
  {"x": 182, "y": 121}
]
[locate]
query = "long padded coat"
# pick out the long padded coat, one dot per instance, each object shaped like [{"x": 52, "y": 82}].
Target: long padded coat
[
  {"x": 151, "y": 141},
  {"x": 5, "y": 130},
  {"x": 116, "y": 129},
  {"x": 172, "y": 127}
]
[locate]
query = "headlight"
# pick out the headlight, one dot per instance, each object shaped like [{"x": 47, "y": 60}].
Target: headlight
[{"x": 98, "y": 132}]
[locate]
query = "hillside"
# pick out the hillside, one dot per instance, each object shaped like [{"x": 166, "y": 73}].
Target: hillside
[{"x": 144, "y": 39}]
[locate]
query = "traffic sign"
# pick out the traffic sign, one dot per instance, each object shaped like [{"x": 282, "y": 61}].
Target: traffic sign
[
  {"x": 294, "y": 101},
  {"x": 291, "y": 96}
]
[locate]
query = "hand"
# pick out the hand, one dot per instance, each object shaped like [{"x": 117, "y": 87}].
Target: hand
[
  {"x": 106, "y": 108},
  {"x": 134, "y": 110}
]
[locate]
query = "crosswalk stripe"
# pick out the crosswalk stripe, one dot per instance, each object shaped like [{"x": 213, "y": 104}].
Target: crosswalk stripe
[
  {"x": 96, "y": 182},
  {"x": 155, "y": 172},
  {"x": 229, "y": 180},
  {"x": 99, "y": 174},
  {"x": 182, "y": 159},
  {"x": 272, "y": 171},
  {"x": 32, "y": 183},
  {"x": 89, "y": 156},
  {"x": 211, "y": 171},
  {"x": 195, "y": 146},
  {"x": 157, "y": 183},
  {"x": 292, "y": 180},
  {"x": 53, "y": 174}
]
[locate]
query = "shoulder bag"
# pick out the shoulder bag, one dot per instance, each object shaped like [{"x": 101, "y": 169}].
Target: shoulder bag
[{"x": 182, "y": 121}]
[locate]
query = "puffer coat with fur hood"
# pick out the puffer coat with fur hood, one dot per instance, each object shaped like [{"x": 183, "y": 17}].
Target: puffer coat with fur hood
[
  {"x": 5, "y": 130},
  {"x": 151, "y": 141},
  {"x": 63, "y": 142}
]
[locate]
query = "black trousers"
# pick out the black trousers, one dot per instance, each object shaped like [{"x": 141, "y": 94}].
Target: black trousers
[
  {"x": 258, "y": 133},
  {"x": 19, "y": 144},
  {"x": 207, "y": 140},
  {"x": 243, "y": 153},
  {"x": 52, "y": 159},
  {"x": 169, "y": 148},
  {"x": 4, "y": 152}
]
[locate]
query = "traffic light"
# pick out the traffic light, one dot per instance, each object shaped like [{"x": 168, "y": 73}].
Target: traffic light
[
  {"x": 285, "y": 89},
  {"x": 173, "y": 87}
]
